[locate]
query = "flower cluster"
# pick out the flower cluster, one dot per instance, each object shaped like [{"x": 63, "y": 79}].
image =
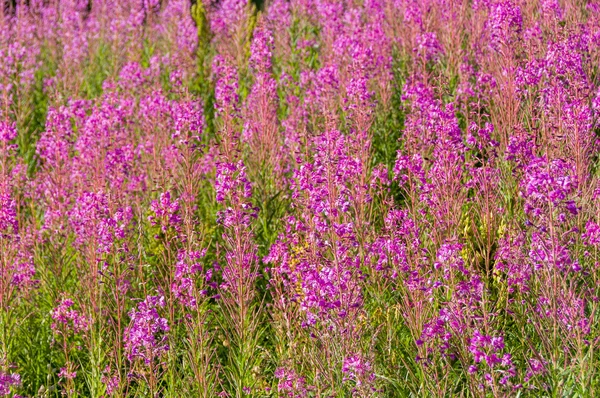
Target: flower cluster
[
  {"x": 145, "y": 338},
  {"x": 290, "y": 384},
  {"x": 66, "y": 319},
  {"x": 8, "y": 380},
  {"x": 165, "y": 212}
]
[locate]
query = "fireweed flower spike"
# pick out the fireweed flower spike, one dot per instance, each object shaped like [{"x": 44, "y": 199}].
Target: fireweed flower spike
[
  {"x": 67, "y": 324},
  {"x": 145, "y": 340}
]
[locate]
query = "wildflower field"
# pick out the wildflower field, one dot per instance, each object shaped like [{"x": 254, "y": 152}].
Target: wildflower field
[{"x": 299, "y": 198}]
